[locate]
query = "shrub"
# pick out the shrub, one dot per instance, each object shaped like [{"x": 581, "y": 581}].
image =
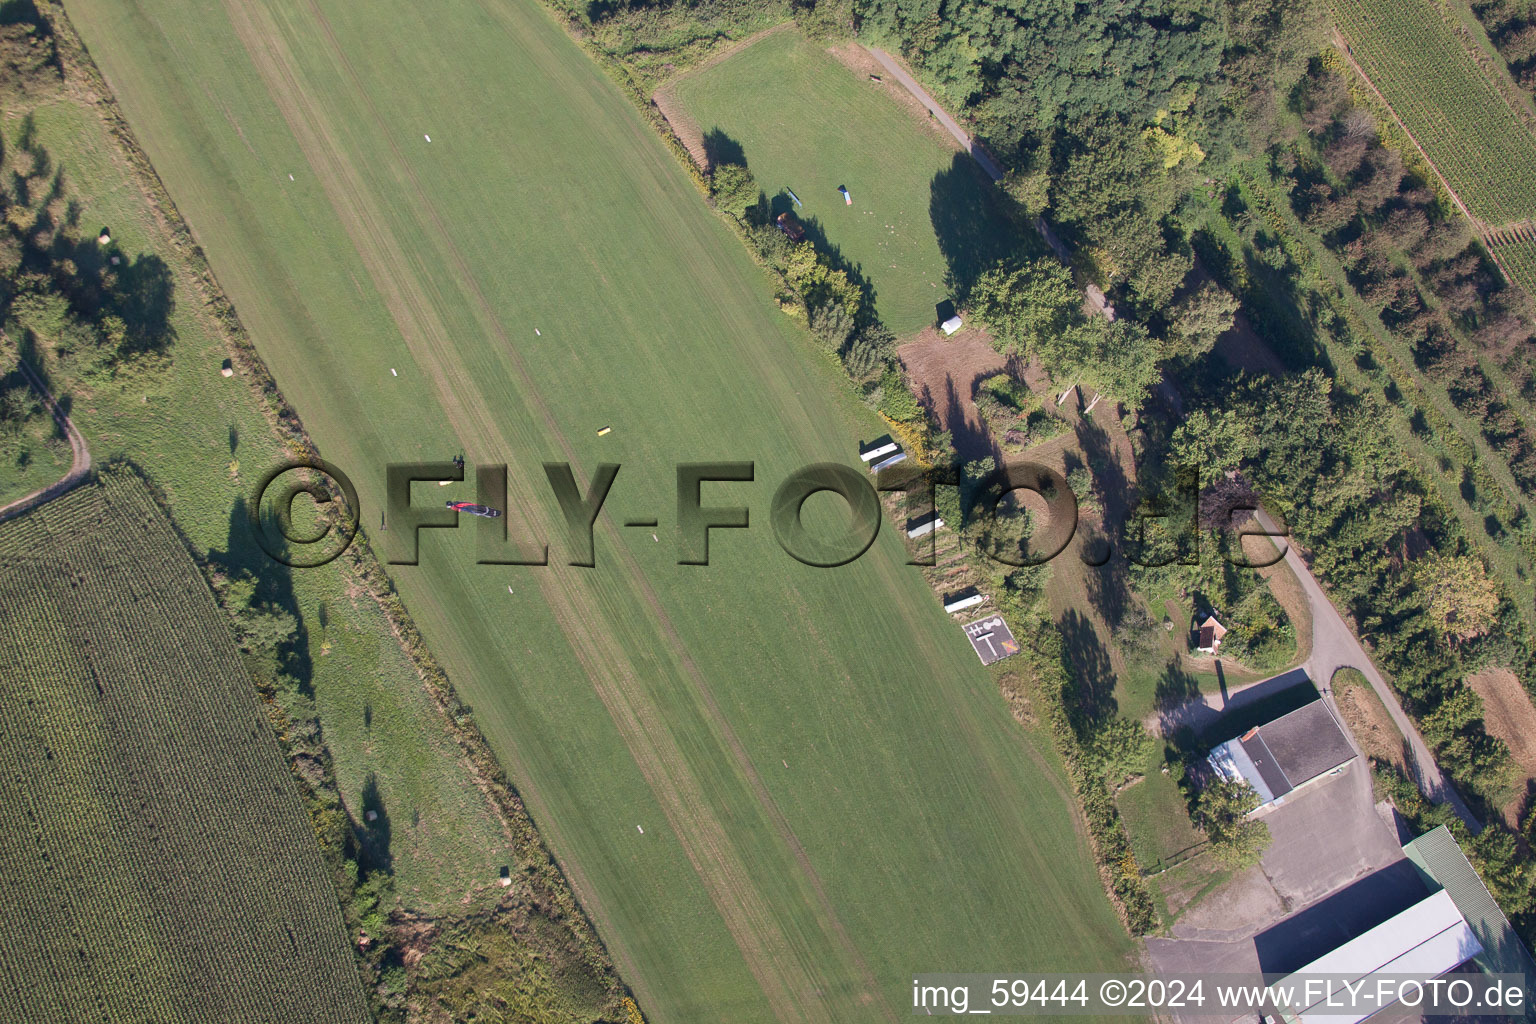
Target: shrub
[
  {"x": 734, "y": 189},
  {"x": 1222, "y": 812}
]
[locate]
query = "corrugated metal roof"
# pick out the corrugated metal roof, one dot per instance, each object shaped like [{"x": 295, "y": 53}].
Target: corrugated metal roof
[
  {"x": 1438, "y": 856},
  {"x": 1232, "y": 762},
  {"x": 1428, "y": 939}
]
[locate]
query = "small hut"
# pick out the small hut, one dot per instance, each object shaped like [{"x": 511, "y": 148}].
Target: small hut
[
  {"x": 1211, "y": 632},
  {"x": 791, "y": 226}
]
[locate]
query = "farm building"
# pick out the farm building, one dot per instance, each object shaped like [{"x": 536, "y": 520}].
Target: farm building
[
  {"x": 1210, "y": 634},
  {"x": 1286, "y": 755},
  {"x": 952, "y": 325},
  {"x": 1426, "y": 940},
  {"x": 791, "y": 226},
  {"x": 1443, "y": 866},
  {"x": 924, "y": 525}
]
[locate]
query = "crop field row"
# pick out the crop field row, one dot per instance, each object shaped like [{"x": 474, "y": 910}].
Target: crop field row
[
  {"x": 446, "y": 231},
  {"x": 1519, "y": 260},
  {"x": 1411, "y": 52},
  {"x": 159, "y": 863}
]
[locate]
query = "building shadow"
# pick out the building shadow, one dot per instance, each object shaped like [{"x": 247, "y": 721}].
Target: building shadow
[
  {"x": 1333, "y": 921},
  {"x": 1242, "y": 710}
]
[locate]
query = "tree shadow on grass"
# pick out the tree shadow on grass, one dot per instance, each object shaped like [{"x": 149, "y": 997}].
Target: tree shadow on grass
[
  {"x": 243, "y": 561},
  {"x": 972, "y": 223},
  {"x": 970, "y": 442},
  {"x": 376, "y": 830},
  {"x": 720, "y": 148},
  {"x": 1091, "y": 690}
]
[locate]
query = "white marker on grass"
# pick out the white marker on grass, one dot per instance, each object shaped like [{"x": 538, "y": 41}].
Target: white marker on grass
[
  {"x": 392, "y": 372},
  {"x": 536, "y": 331},
  {"x": 290, "y": 177},
  {"x": 642, "y": 831},
  {"x": 427, "y": 137}
]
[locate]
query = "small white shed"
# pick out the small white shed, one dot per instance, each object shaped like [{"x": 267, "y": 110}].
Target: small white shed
[{"x": 952, "y": 325}]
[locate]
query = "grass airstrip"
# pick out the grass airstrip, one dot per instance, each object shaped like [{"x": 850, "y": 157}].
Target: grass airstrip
[{"x": 831, "y": 791}]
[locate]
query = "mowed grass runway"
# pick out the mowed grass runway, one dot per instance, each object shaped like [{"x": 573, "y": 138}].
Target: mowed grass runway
[
  {"x": 832, "y": 792},
  {"x": 806, "y": 122}
]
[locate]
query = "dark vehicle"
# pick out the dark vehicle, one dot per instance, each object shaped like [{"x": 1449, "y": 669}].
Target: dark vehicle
[{"x": 475, "y": 510}]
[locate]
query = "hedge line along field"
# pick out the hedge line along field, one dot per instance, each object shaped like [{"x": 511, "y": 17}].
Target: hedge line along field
[
  {"x": 805, "y": 122},
  {"x": 1411, "y": 52},
  {"x": 831, "y": 789},
  {"x": 159, "y": 863}
]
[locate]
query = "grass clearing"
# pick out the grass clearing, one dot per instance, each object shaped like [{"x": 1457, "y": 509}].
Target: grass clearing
[
  {"x": 1158, "y": 820},
  {"x": 803, "y": 121},
  {"x": 789, "y": 781},
  {"x": 160, "y": 864}
]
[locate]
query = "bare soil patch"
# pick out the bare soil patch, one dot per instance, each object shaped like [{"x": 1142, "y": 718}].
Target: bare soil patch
[
  {"x": 1508, "y": 715},
  {"x": 684, "y": 127},
  {"x": 1370, "y": 724},
  {"x": 945, "y": 372}
]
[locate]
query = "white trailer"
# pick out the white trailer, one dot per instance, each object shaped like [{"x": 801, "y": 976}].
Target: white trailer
[
  {"x": 960, "y": 604},
  {"x": 876, "y": 451},
  {"x": 927, "y": 525}
]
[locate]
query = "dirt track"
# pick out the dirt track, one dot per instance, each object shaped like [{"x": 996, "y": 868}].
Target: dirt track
[{"x": 78, "y": 470}]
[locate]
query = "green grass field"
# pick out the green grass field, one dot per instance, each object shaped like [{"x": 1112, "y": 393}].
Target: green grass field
[
  {"x": 1157, "y": 819},
  {"x": 1412, "y": 53},
  {"x": 832, "y": 791},
  {"x": 32, "y": 454},
  {"x": 202, "y": 440},
  {"x": 808, "y": 123},
  {"x": 159, "y": 862}
]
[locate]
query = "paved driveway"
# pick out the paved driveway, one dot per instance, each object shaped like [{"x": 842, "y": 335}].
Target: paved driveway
[{"x": 1334, "y": 647}]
